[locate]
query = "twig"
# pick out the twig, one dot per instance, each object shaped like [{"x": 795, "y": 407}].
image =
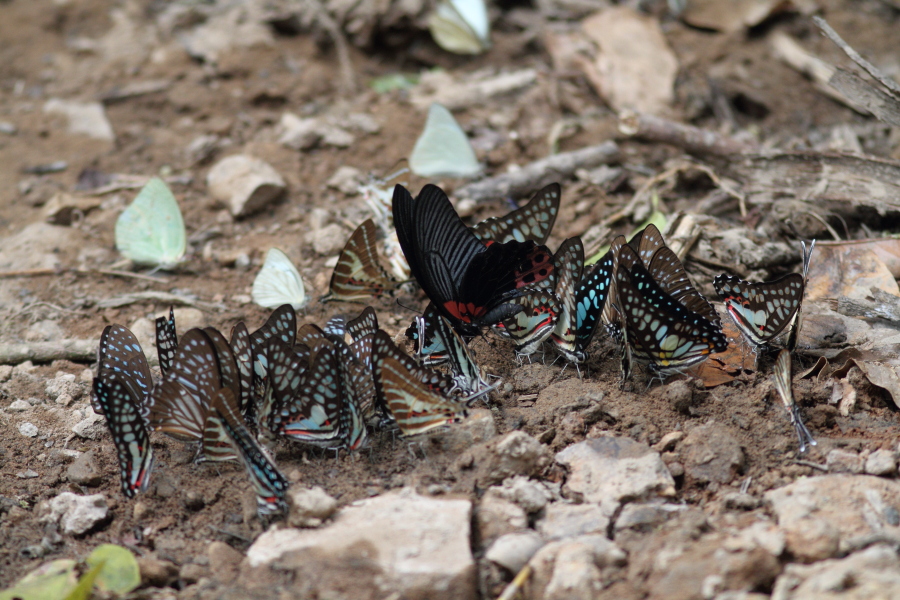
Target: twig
[
  {"x": 881, "y": 104},
  {"x": 541, "y": 172},
  {"x": 348, "y": 80},
  {"x": 151, "y": 296},
  {"x": 516, "y": 585},
  {"x": 44, "y": 352},
  {"x": 855, "y": 56},
  {"x": 689, "y": 138},
  {"x": 114, "y": 273},
  {"x": 807, "y": 463}
]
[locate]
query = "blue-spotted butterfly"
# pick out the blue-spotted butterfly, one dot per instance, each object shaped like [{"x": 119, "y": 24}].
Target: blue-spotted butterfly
[
  {"x": 528, "y": 329},
  {"x": 119, "y": 352},
  {"x": 429, "y": 348},
  {"x": 463, "y": 369},
  {"x": 166, "y": 341},
  {"x": 534, "y": 221}
]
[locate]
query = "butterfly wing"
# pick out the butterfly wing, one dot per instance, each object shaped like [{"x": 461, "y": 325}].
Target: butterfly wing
[
  {"x": 243, "y": 358},
  {"x": 465, "y": 371},
  {"x": 443, "y": 148},
  {"x": 119, "y": 352},
  {"x": 669, "y": 273},
  {"x": 568, "y": 264},
  {"x": 365, "y": 324},
  {"x": 278, "y": 282},
  {"x": 761, "y": 310},
  {"x": 534, "y": 221},
  {"x": 358, "y": 275},
  {"x": 166, "y": 341},
  {"x": 591, "y": 297},
  {"x": 529, "y": 328},
  {"x": 151, "y": 230}
]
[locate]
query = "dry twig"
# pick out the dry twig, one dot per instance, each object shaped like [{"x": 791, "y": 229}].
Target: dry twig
[
  {"x": 44, "y": 352},
  {"x": 855, "y": 56},
  {"x": 691, "y": 139},
  {"x": 151, "y": 296}
]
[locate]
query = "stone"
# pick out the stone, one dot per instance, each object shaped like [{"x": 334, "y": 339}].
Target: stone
[
  {"x": 41, "y": 246},
  {"x": 63, "y": 385},
  {"x": 516, "y": 453},
  {"x": 495, "y": 517},
  {"x": 297, "y": 133},
  {"x": 711, "y": 453},
  {"x": 44, "y": 331},
  {"x": 741, "y": 501},
  {"x": 398, "y": 543},
  {"x": 477, "y": 428},
  {"x": 870, "y": 573},
  {"x": 244, "y": 183},
  {"x": 646, "y": 516},
  {"x": 328, "y": 240},
  {"x": 84, "y": 470},
  {"x": 156, "y": 572},
  {"x": 531, "y": 495},
  {"x": 575, "y": 569},
  {"x": 882, "y": 463},
  {"x": 6, "y": 372},
  {"x": 28, "y": 429},
  {"x": 668, "y": 441},
  {"x": 76, "y": 514},
  {"x": 346, "y": 180},
  {"x": 679, "y": 394},
  {"x": 841, "y": 461},
  {"x": 87, "y": 118},
  {"x": 91, "y": 427},
  {"x": 18, "y": 406},
  {"x": 819, "y": 514},
  {"x": 562, "y": 520},
  {"x": 513, "y": 550},
  {"x": 309, "y": 507},
  {"x": 239, "y": 26},
  {"x": 7, "y": 128},
  {"x": 610, "y": 470},
  {"x": 192, "y": 573},
  {"x": 28, "y": 474},
  {"x": 224, "y": 561}
]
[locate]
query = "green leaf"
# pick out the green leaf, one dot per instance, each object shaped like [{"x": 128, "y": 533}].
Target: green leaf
[
  {"x": 85, "y": 585},
  {"x": 393, "y": 81},
  {"x": 54, "y": 579},
  {"x": 120, "y": 573},
  {"x": 656, "y": 218}
]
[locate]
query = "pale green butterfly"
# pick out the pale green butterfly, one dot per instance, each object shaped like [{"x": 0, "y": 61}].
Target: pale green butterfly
[
  {"x": 461, "y": 26},
  {"x": 151, "y": 230},
  {"x": 278, "y": 282},
  {"x": 443, "y": 148}
]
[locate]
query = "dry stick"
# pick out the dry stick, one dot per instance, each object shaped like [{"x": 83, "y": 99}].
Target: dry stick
[
  {"x": 348, "y": 80},
  {"x": 43, "y": 272},
  {"x": 855, "y": 57},
  {"x": 151, "y": 296},
  {"x": 691, "y": 139},
  {"x": 540, "y": 173},
  {"x": 880, "y": 103},
  {"x": 44, "y": 352}
]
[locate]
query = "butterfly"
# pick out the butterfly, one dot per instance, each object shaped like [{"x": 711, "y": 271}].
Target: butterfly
[
  {"x": 469, "y": 283},
  {"x": 529, "y": 328},
  {"x": 166, "y": 341},
  {"x": 667, "y": 270},
  {"x": 121, "y": 407},
  {"x": 466, "y": 374},
  {"x": 461, "y": 26},
  {"x": 443, "y": 148},
  {"x": 119, "y": 352},
  {"x": 243, "y": 358},
  {"x": 365, "y": 324},
  {"x": 429, "y": 348},
  {"x": 534, "y": 221},
  {"x": 281, "y": 326},
  {"x": 798, "y": 320},
  {"x": 591, "y": 298},
  {"x": 763, "y": 310},
  {"x": 568, "y": 264},
  {"x": 278, "y": 282},
  {"x": 151, "y": 230},
  {"x": 358, "y": 275},
  {"x": 661, "y": 332},
  {"x": 418, "y": 398},
  {"x": 268, "y": 482},
  {"x": 782, "y": 374}
]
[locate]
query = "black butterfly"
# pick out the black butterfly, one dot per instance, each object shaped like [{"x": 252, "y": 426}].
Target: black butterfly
[
  {"x": 470, "y": 284},
  {"x": 119, "y": 352},
  {"x": 534, "y": 221},
  {"x": 166, "y": 341},
  {"x": 365, "y": 324},
  {"x": 121, "y": 407}
]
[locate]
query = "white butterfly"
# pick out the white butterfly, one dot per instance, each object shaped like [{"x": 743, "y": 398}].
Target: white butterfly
[
  {"x": 151, "y": 230},
  {"x": 443, "y": 148},
  {"x": 461, "y": 26},
  {"x": 279, "y": 283}
]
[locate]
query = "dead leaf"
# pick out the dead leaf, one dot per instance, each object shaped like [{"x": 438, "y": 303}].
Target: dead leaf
[
  {"x": 886, "y": 249},
  {"x": 635, "y": 67},
  {"x": 64, "y": 209},
  {"x": 728, "y": 16},
  {"x": 847, "y": 270},
  {"x": 878, "y": 374}
]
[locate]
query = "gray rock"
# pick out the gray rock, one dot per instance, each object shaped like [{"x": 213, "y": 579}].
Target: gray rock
[
  {"x": 403, "y": 543},
  {"x": 562, "y": 520},
  {"x": 306, "y": 134},
  {"x": 575, "y": 569},
  {"x": 819, "y": 514},
  {"x": 516, "y": 453},
  {"x": 28, "y": 429},
  {"x": 870, "y": 573},
  {"x": 63, "y": 385},
  {"x": 224, "y": 561},
  {"x": 477, "y": 428},
  {"x": 28, "y": 474},
  {"x": 309, "y": 507},
  {"x": 646, "y": 516},
  {"x": 44, "y": 331},
  {"x": 84, "y": 470},
  {"x": 19, "y": 406},
  {"x": 495, "y": 517},
  {"x": 156, "y": 572},
  {"x": 346, "y": 180},
  {"x": 244, "y": 183},
  {"x": 741, "y": 501},
  {"x": 6, "y": 372},
  {"x": 841, "y": 461},
  {"x": 513, "y": 550},
  {"x": 328, "y": 240},
  {"x": 241, "y": 26},
  {"x": 711, "y": 453},
  {"x": 91, "y": 427},
  {"x": 192, "y": 573},
  {"x": 531, "y": 495},
  {"x": 40, "y": 246},
  {"x": 609, "y": 470},
  {"x": 7, "y": 128},
  {"x": 83, "y": 118},
  {"x": 78, "y": 514},
  {"x": 882, "y": 463}
]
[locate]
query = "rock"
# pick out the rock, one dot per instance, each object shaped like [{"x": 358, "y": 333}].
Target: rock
[
  {"x": 83, "y": 118},
  {"x": 403, "y": 543},
  {"x": 477, "y": 428},
  {"x": 646, "y": 516},
  {"x": 679, "y": 394},
  {"x": 711, "y": 453},
  {"x": 741, "y": 501},
  {"x": 28, "y": 429},
  {"x": 309, "y": 507},
  {"x": 91, "y": 427},
  {"x": 562, "y": 520},
  {"x": 156, "y": 572},
  {"x": 78, "y": 514},
  {"x": 244, "y": 183},
  {"x": 328, "y": 240},
  {"x": 7, "y": 128},
  {"x": 6, "y": 372},
  {"x": 18, "y": 406},
  {"x": 63, "y": 386},
  {"x": 819, "y": 514},
  {"x": 513, "y": 550},
  {"x": 346, "y": 180},
  {"x": 609, "y": 470},
  {"x": 192, "y": 573},
  {"x": 141, "y": 511},
  {"x": 495, "y": 517},
  {"x": 44, "y": 331},
  {"x": 880, "y": 462},
  {"x": 241, "y": 26},
  {"x": 42, "y": 246},
  {"x": 841, "y": 461},
  {"x": 668, "y": 441},
  {"x": 531, "y": 495},
  {"x": 297, "y": 133},
  {"x": 870, "y": 573},
  {"x": 84, "y": 470},
  {"x": 28, "y": 474},
  {"x": 575, "y": 569},
  {"x": 224, "y": 561},
  {"x": 516, "y": 453},
  {"x": 762, "y": 534}
]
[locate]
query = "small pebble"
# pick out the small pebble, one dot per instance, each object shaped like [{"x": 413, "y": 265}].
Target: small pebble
[
  {"x": 27, "y": 474},
  {"x": 19, "y": 406},
  {"x": 7, "y": 128},
  {"x": 28, "y": 429}
]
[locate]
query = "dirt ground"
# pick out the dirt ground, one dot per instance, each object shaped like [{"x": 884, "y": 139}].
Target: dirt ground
[{"x": 240, "y": 99}]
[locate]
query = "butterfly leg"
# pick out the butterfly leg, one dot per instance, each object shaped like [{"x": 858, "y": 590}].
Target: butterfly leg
[{"x": 803, "y": 434}]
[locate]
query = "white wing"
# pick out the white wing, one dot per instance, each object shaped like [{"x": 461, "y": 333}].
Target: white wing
[
  {"x": 151, "y": 230},
  {"x": 443, "y": 148},
  {"x": 461, "y": 26},
  {"x": 279, "y": 283}
]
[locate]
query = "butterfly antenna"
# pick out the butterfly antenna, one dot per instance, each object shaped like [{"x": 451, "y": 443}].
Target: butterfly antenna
[{"x": 409, "y": 308}]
